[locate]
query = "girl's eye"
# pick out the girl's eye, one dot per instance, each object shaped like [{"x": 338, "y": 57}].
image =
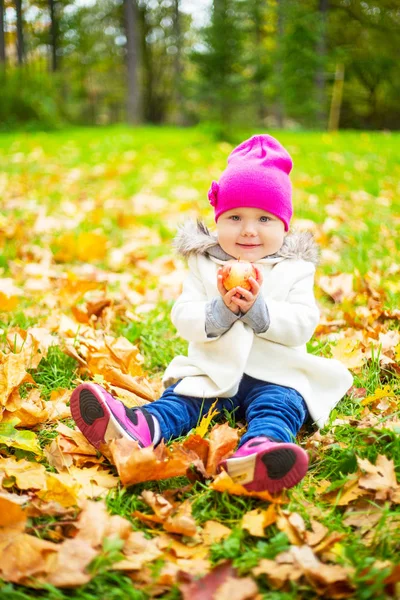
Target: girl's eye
[
  {"x": 264, "y": 219},
  {"x": 234, "y": 217}
]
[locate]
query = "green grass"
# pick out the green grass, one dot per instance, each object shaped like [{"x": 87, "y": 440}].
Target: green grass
[
  {"x": 128, "y": 182},
  {"x": 156, "y": 336},
  {"x": 57, "y": 370}
]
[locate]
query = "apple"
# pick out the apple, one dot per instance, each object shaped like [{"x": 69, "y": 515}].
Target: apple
[{"x": 236, "y": 273}]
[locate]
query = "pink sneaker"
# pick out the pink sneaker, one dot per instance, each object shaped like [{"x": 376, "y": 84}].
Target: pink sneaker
[
  {"x": 103, "y": 418},
  {"x": 265, "y": 464}
]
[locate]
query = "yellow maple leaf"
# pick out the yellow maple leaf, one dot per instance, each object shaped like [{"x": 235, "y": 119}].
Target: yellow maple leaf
[
  {"x": 385, "y": 392},
  {"x": 60, "y": 488},
  {"x": 349, "y": 352},
  {"x": 201, "y": 429}
]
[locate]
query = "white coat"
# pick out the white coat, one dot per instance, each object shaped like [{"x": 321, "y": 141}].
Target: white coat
[{"x": 214, "y": 366}]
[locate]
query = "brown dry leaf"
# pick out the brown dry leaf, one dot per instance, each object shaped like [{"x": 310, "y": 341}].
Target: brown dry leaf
[
  {"x": 317, "y": 534},
  {"x": 56, "y": 457},
  {"x": 223, "y": 483},
  {"x": 127, "y": 397},
  {"x": 338, "y": 287},
  {"x": 72, "y": 441},
  {"x": 138, "y": 385},
  {"x": 28, "y": 475},
  {"x": 160, "y": 505},
  {"x": 32, "y": 410},
  {"x": 199, "y": 446},
  {"x": 24, "y": 556},
  {"x": 236, "y": 588},
  {"x": 69, "y": 569},
  {"x": 346, "y": 494},
  {"x": 57, "y": 405},
  {"x": 173, "y": 547},
  {"x": 95, "y": 524},
  {"x": 278, "y": 574},
  {"x": 136, "y": 464},
  {"x": 138, "y": 552},
  {"x": 174, "y": 519},
  {"x": 380, "y": 477},
  {"x": 11, "y": 512},
  {"x": 255, "y": 521},
  {"x": 327, "y": 542},
  {"x": 293, "y": 525},
  {"x": 330, "y": 581},
  {"x": 94, "y": 481},
  {"x": 181, "y": 521},
  {"x": 223, "y": 441},
  {"x": 350, "y": 353},
  {"x": 12, "y": 374},
  {"x": 214, "y": 532}
]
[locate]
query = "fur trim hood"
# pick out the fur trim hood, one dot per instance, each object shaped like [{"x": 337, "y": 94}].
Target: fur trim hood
[{"x": 195, "y": 238}]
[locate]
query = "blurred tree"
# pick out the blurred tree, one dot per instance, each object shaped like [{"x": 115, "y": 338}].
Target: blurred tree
[
  {"x": 320, "y": 75},
  {"x": 220, "y": 63},
  {"x": 176, "y": 50},
  {"x": 20, "y": 32},
  {"x": 300, "y": 61},
  {"x": 2, "y": 36},
  {"x": 132, "y": 62},
  {"x": 364, "y": 35},
  {"x": 54, "y": 33},
  {"x": 163, "y": 29}
]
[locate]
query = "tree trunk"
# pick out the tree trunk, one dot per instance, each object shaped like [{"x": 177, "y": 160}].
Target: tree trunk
[
  {"x": 336, "y": 103},
  {"x": 259, "y": 94},
  {"x": 53, "y": 34},
  {"x": 178, "y": 69},
  {"x": 320, "y": 74},
  {"x": 132, "y": 62},
  {"x": 279, "y": 109},
  {"x": 2, "y": 36},
  {"x": 20, "y": 32}
]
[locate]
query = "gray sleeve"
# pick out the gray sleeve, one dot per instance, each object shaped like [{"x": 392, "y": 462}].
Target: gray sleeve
[
  {"x": 219, "y": 318},
  {"x": 257, "y": 317}
]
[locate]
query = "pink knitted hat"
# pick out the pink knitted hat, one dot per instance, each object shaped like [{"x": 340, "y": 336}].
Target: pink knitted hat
[{"x": 257, "y": 176}]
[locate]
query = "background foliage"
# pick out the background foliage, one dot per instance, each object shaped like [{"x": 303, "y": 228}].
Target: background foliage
[{"x": 267, "y": 62}]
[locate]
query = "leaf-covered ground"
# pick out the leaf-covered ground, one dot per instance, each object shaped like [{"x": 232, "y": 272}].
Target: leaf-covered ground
[{"x": 87, "y": 280}]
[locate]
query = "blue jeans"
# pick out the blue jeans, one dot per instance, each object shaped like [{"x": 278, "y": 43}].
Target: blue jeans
[{"x": 269, "y": 409}]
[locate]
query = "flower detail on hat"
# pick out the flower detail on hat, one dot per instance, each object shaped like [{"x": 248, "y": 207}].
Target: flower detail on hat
[{"x": 213, "y": 193}]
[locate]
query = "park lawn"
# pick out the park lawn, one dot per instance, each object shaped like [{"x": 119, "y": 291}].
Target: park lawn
[{"x": 86, "y": 221}]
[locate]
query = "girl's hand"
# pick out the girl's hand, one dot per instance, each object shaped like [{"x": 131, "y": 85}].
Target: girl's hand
[{"x": 238, "y": 299}]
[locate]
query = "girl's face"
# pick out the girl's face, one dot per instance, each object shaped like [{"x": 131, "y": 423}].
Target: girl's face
[{"x": 250, "y": 233}]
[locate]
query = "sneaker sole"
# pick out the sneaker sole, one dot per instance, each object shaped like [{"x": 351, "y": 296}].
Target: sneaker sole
[
  {"x": 91, "y": 412},
  {"x": 273, "y": 470}
]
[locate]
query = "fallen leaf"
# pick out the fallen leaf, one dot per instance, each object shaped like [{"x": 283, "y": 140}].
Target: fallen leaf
[
  {"x": 202, "y": 429},
  {"x": 69, "y": 568},
  {"x": 136, "y": 465},
  {"x": 181, "y": 521},
  {"x": 293, "y": 525},
  {"x": 11, "y": 512},
  {"x": 380, "y": 477},
  {"x": 223, "y": 441},
  {"x": 255, "y": 521},
  {"x": 213, "y": 532},
  {"x": 205, "y": 588},
  {"x": 28, "y": 475},
  {"x": 223, "y": 483},
  {"x": 236, "y": 588}
]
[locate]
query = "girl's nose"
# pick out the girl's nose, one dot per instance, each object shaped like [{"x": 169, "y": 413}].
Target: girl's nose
[{"x": 249, "y": 229}]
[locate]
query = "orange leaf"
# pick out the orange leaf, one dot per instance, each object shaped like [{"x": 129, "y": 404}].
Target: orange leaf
[{"x": 223, "y": 483}]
